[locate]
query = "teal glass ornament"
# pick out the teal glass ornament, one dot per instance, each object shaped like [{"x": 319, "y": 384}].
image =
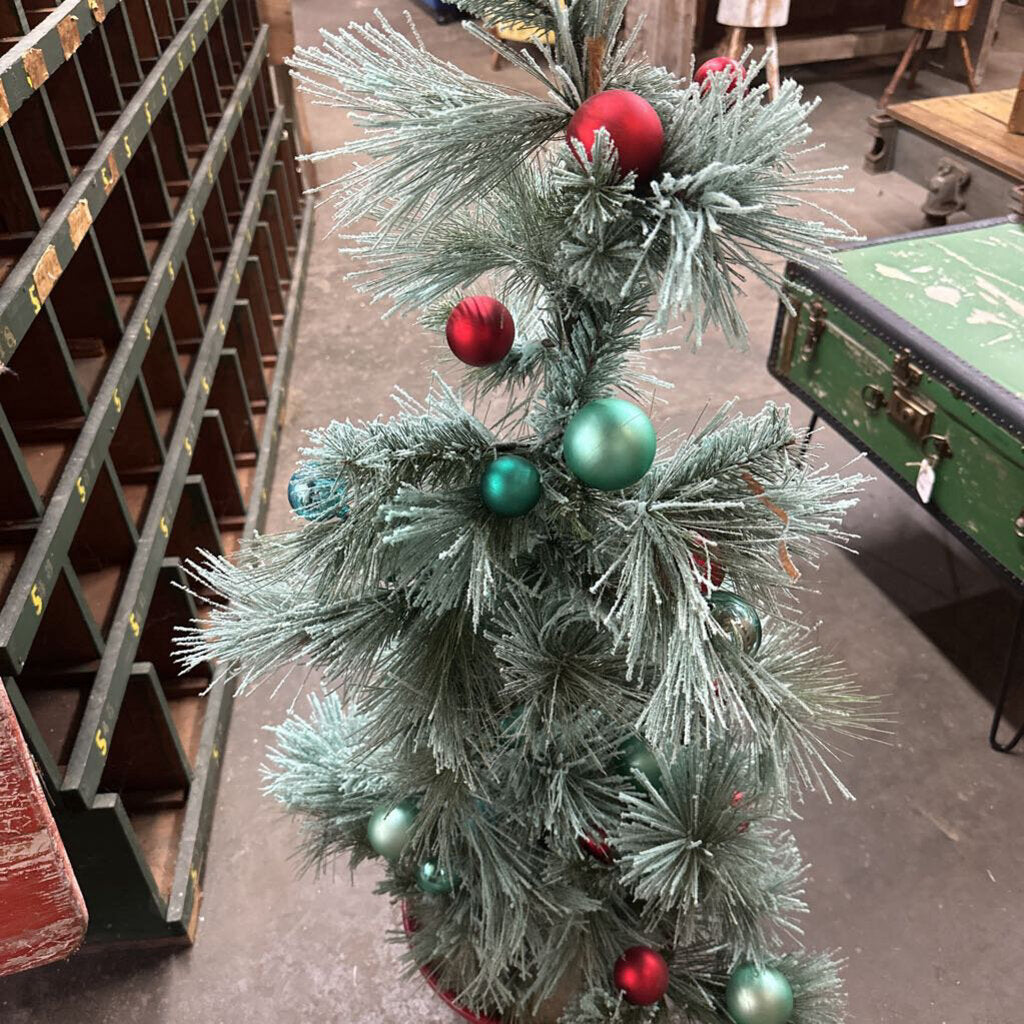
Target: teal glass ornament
[
  {"x": 510, "y": 486},
  {"x": 758, "y": 995},
  {"x": 737, "y": 617},
  {"x": 609, "y": 444},
  {"x": 635, "y": 754},
  {"x": 316, "y": 498},
  {"x": 390, "y": 826},
  {"x": 433, "y": 878}
]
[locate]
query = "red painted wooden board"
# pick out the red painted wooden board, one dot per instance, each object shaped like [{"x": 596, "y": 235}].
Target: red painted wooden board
[{"x": 42, "y": 913}]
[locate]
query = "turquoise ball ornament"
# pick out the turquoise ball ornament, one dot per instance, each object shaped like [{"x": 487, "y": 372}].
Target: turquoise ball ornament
[
  {"x": 433, "y": 878},
  {"x": 635, "y": 754},
  {"x": 758, "y": 995},
  {"x": 316, "y": 498},
  {"x": 390, "y": 826},
  {"x": 609, "y": 444},
  {"x": 737, "y": 617},
  {"x": 510, "y": 486}
]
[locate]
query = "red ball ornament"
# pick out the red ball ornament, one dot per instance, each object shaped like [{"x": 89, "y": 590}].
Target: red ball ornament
[
  {"x": 738, "y": 797},
  {"x": 480, "y": 330},
  {"x": 719, "y": 65},
  {"x": 641, "y": 974},
  {"x": 631, "y": 122},
  {"x": 597, "y": 847}
]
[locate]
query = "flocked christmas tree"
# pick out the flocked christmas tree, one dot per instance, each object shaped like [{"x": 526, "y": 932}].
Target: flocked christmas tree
[{"x": 569, "y": 702}]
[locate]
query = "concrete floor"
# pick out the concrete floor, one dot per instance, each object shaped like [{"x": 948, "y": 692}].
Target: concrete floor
[{"x": 919, "y": 881}]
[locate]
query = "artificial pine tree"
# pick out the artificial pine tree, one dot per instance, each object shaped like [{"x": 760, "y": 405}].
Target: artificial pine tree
[{"x": 569, "y": 702}]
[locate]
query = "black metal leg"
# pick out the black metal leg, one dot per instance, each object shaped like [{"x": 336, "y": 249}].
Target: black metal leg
[
  {"x": 807, "y": 437},
  {"x": 1005, "y": 748}
]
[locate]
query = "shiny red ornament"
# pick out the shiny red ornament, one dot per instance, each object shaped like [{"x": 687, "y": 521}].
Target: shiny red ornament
[
  {"x": 738, "y": 797},
  {"x": 716, "y": 66},
  {"x": 480, "y": 331},
  {"x": 597, "y": 847},
  {"x": 641, "y": 974},
  {"x": 631, "y": 122}
]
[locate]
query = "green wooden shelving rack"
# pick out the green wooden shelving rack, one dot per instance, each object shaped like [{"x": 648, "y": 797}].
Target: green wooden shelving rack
[{"x": 153, "y": 243}]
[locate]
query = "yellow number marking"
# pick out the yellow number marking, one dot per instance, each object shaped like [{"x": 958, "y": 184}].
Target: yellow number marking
[
  {"x": 192, "y": 216},
  {"x": 36, "y": 304},
  {"x": 205, "y": 384},
  {"x": 37, "y": 598},
  {"x": 149, "y": 116},
  {"x": 223, "y": 329},
  {"x": 147, "y": 329},
  {"x": 134, "y": 623},
  {"x": 101, "y": 742},
  {"x": 192, "y": 40},
  {"x": 188, "y": 446},
  {"x": 170, "y": 268},
  {"x": 181, "y": 61},
  {"x": 127, "y": 148},
  {"x": 80, "y": 487},
  {"x": 163, "y": 526},
  {"x": 163, "y": 84},
  {"x": 216, "y": 753},
  {"x": 117, "y": 400}
]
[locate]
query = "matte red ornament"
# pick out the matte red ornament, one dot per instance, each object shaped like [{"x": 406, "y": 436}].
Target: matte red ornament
[
  {"x": 718, "y": 65},
  {"x": 597, "y": 847},
  {"x": 480, "y": 331},
  {"x": 717, "y": 572},
  {"x": 631, "y": 122},
  {"x": 641, "y": 974}
]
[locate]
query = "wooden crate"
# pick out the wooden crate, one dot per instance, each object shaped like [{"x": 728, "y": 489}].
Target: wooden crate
[{"x": 153, "y": 240}]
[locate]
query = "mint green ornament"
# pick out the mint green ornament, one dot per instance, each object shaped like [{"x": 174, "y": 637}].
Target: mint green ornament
[
  {"x": 510, "y": 486},
  {"x": 433, "y": 878},
  {"x": 634, "y": 753},
  {"x": 390, "y": 826},
  {"x": 609, "y": 444},
  {"x": 737, "y": 617},
  {"x": 758, "y": 995}
]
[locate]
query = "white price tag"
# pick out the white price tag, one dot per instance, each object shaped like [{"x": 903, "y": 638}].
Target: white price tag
[
  {"x": 925, "y": 480},
  {"x": 961, "y": 3}
]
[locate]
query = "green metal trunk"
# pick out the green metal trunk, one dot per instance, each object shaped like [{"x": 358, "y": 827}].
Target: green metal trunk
[{"x": 917, "y": 356}]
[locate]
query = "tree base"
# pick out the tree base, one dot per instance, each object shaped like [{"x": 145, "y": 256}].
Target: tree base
[{"x": 548, "y": 1012}]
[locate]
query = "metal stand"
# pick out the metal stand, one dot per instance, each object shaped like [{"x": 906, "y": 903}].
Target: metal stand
[
  {"x": 807, "y": 437},
  {"x": 1005, "y": 748}
]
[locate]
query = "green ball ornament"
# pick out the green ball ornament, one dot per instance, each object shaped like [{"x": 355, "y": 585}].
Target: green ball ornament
[
  {"x": 433, "y": 878},
  {"x": 389, "y": 828},
  {"x": 510, "y": 486},
  {"x": 758, "y": 995},
  {"x": 737, "y": 617},
  {"x": 609, "y": 444},
  {"x": 635, "y": 754}
]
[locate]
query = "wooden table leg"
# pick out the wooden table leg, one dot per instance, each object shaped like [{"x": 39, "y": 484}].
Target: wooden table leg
[
  {"x": 772, "y": 69},
  {"x": 968, "y": 63},
  {"x": 901, "y": 68},
  {"x": 734, "y": 42},
  {"x": 918, "y": 59}
]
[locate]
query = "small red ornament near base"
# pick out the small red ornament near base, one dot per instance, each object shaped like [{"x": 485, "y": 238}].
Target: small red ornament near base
[
  {"x": 641, "y": 975},
  {"x": 480, "y": 331},
  {"x": 630, "y": 121},
  {"x": 597, "y": 847},
  {"x": 717, "y": 66}
]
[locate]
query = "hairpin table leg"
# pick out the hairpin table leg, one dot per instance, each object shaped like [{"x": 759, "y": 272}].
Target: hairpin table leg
[{"x": 1005, "y": 748}]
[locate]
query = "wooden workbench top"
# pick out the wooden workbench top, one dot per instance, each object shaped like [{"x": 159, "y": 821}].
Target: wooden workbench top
[{"x": 974, "y": 123}]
